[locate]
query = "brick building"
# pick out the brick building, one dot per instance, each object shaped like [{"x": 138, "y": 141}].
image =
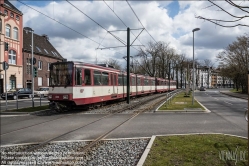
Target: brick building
[
  {"x": 44, "y": 53},
  {"x": 11, "y": 25}
]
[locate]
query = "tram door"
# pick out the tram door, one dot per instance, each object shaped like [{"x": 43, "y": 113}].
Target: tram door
[{"x": 114, "y": 83}]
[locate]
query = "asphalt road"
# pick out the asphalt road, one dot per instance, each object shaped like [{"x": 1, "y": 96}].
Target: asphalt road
[
  {"x": 22, "y": 103},
  {"x": 227, "y": 116}
]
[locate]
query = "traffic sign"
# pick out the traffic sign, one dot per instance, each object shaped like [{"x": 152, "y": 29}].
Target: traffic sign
[{"x": 5, "y": 65}]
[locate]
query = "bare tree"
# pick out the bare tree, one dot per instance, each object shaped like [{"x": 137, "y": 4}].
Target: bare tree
[
  {"x": 235, "y": 58},
  {"x": 234, "y": 20},
  {"x": 113, "y": 62},
  {"x": 154, "y": 60}
]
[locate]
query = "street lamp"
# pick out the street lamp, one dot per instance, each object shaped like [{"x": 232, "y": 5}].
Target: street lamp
[
  {"x": 32, "y": 60},
  {"x": 196, "y": 29}
]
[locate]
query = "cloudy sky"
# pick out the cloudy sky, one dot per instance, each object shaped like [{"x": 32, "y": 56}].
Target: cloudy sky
[{"x": 78, "y": 37}]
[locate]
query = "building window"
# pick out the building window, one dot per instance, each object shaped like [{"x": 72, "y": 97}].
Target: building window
[
  {"x": 7, "y": 30},
  {"x": 11, "y": 14},
  {"x": 48, "y": 66},
  {"x": 46, "y": 51},
  {"x": 15, "y": 33},
  {"x": 17, "y": 18},
  {"x": 6, "y": 12},
  {"x": 12, "y": 82},
  {"x": 39, "y": 81},
  {"x": 28, "y": 69},
  {"x": 12, "y": 57},
  {"x": 38, "y": 49},
  {"x": 53, "y": 53},
  {"x": 40, "y": 65},
  {"x": 48, "y": 81}
]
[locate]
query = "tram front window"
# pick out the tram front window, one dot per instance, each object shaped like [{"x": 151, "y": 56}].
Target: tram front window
[{"x": 61, "y": 74}]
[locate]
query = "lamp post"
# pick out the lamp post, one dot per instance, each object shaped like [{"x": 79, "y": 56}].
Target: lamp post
[
  {"x": 32, "y": 60},
  {"x": 196, "y": 29},
  {"x": 169, "y": 77}
]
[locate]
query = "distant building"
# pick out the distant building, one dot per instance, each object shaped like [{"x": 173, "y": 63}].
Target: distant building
[
  {"x": 219, "y": 81},
  {"x": 214, "y": 82},
  {"x": 204, "y": 76},
  {"x": 44, "y": 53},
  {"x": 11, "y": 25}
]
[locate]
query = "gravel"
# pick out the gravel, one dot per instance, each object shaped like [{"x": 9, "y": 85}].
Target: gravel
[
  {"x": 125, "y": 152},
  {"x": 107, "y": 152}
]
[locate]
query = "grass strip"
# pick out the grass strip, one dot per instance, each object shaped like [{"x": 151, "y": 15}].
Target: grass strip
[
  {"x": 29, "y": 109},
  {"x": 179, "y": 102},
  {"x": 204, "y": 150},
  {"x": 235, "y": 90}
]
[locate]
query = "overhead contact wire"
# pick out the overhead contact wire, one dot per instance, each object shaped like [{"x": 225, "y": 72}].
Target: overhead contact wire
[
  {"x": 59, "y": 22},
  {"x": 96, "y": 22},
  {"x": 140, "y": 21},
  {"x": 122, "y": 22}
]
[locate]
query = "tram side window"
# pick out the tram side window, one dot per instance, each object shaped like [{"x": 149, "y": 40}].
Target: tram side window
[
  {"x": 125, "y": 80},
  {"x": 78, "y": 77},
  {"x": 105, "y": 78},
  {"x": 120, "y": 80},
  {"x": 138, "y": 82},
  {"x": 133, "y": 81},
  {"x": 88, "y": 77},
  {"x": 97, "y": 78}
]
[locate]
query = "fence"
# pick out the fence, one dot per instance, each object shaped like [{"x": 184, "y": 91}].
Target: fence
[{"x": 22, "y": 101}]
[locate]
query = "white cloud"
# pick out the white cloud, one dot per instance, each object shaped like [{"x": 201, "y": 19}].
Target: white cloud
[{"x": 209, "y": 41}]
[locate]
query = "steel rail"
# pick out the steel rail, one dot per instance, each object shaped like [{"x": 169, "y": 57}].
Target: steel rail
[{"x": 101, "y": 137}]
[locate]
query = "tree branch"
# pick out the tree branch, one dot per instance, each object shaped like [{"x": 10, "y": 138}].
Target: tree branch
[
  {"x": 227, "y": 11},
  {"x": 200, "y": 17}
]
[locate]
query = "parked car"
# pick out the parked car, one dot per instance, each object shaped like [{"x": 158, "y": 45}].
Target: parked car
[
  {"x": 42, "y": 91},
  {"x": 202, "y": 88},
  {"x": 20, "y": 92}
]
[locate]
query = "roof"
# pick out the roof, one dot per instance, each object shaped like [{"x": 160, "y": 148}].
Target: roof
[
  {"x": 42, "y": 46},
  {"x": 7, "y": 4}
]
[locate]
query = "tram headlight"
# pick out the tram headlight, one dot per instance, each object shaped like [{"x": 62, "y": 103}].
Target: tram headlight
[
  {"x": 50, "y": 96},
  {"x": 65, "y": 96}
]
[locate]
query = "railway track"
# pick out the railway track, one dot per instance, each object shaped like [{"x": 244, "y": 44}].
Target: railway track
[
  {"x": 98, "y": 110},
  {"x": 86, "y": 149}
]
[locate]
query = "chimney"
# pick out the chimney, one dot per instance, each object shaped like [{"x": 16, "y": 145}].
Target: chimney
[{"x": 45, "y": 36}]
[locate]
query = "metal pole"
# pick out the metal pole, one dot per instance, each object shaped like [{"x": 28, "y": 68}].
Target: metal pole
[
  {"x": 17, "y": 101},
  {"x": 128, "y": 65},
  {"x": 193, "y": 72},
  {"x": 248, "y": 100},
  {"x": 5, "y": 72},
  {"x": 169, "y": 76},
  {"x": 32, "y": 68}
]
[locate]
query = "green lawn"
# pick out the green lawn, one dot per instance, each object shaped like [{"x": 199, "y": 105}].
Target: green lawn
[
  {"x": 180, "y": 102},
  {"x": 198, "y": 150},
  {"x": 235, "y": 90},
  {"x": 30, "y": 109}
]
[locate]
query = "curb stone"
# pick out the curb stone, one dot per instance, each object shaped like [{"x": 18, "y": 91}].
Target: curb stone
[{"x": 241, "y": 97}]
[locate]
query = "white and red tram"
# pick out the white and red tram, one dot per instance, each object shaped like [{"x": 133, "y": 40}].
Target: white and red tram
[{"x": 82, "y": 84}]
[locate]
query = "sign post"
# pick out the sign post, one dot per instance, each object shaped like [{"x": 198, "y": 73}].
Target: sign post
[{"x": 5, "y": 68}]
